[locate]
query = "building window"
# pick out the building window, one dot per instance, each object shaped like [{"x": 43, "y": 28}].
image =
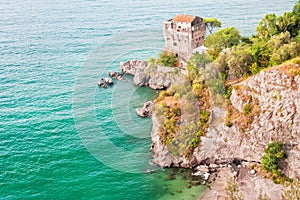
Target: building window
[{"x": 174, "y": 44}]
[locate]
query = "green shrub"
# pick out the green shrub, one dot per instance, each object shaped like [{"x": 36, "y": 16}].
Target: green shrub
[
  {"x": 204, "y": 117},
  {"x": 273, "y": 153},
  {"x": 194, "y": 143},
  {"x": 247, "y": 109},
  {"x": 222, "y": 39},
  {"x": 167, "y": 59},
  {"x": 228, "y": 93}
]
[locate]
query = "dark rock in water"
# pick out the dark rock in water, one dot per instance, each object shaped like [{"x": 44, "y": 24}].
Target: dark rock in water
[
  {"x": 195, "y": 183},
  {"x": 179, "y": 191},
  {"x": 188, "y": 186},
  {"x": 116, "y": 75},
  {"x": 184, "y": 176},
  {"x": 101, "y": 84},
  {"x": 171, "y": 177},
  {"x": 146, "y": 110},
  {"x": 108, "y": 81}
]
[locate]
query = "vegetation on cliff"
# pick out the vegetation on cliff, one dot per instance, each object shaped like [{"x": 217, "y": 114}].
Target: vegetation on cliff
[
  {"x": 184, "y": 110},
  {"x": 292, "y": 192},
  {"x": 165, "y": 59},
  {"x": 273, "y": 154},
  {"x": 212, "y": 23},
  {"x": 277, "y": 40}
]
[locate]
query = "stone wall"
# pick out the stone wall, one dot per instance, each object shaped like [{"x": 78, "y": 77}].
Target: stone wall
[{"x": 182, "y": 37}]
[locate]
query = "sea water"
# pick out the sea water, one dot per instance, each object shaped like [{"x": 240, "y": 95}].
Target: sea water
[{"x": 62, "y": 137}]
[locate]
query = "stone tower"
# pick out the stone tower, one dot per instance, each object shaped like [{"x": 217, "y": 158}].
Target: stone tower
[{"x": 184, "y": 34}]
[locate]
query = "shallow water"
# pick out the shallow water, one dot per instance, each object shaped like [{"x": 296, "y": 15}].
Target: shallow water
[{"x": 56, "y": 124}]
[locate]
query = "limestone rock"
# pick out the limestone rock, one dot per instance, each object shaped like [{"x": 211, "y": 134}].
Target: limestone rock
[
  {"x": 146, "y": 110},
  {"x": 156, "y": 77},
  {"x": 277, "y": 95}
]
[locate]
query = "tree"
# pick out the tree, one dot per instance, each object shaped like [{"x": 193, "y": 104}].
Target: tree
[
  {"x": 235, "y": 62},
  {"x": 290, "y": 21},
  {"x": 222, "y": 39},
  {"x": 199, "y": 60},
  {"x": 268, "y": 26},
  {"x": 211, "y": 23},
  {"x": 167, "y": 59},
  {"x": 272, "y": 25}
]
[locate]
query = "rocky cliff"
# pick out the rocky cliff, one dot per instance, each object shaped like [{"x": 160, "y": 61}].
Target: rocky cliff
[
  {"x": 262, "y": 108},
  {"x": 163, "y": 157},
  {"x": 265, "y": 108},
  {"x": 156, "y": 77},
  {"x": 273, "y": 101}
]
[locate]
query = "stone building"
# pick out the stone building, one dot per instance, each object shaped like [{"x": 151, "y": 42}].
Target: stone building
[{"x": 183, "y": 35}]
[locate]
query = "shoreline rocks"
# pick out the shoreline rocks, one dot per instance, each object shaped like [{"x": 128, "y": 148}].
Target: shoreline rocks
[
  {"x": 146, "y": 111},
  {"x": 273, "y": 94},
  {"x": 156, "y": 77},
  {"x": 116, "y": 75}
]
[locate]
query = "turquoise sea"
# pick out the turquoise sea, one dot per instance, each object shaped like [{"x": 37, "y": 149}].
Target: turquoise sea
[{"x": 62, "y": 137}]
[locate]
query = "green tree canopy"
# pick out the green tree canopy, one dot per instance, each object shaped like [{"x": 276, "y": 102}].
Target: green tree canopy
[
  {"x": 211, "y": 23},
  {"x": 268, "y": 26},
  {"x": 222, "y": 39},
  {"x": 273, "y": 25},
  {"x": 167, "y": 59}
]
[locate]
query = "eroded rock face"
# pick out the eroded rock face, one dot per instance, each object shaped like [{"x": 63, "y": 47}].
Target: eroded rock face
[
  {"x": 133, "y": 66},
  {"x": 162, "y": 155},
  {"x": 276, "y": 94},
  {"x": 250, "y": 186},
  {"x": 156, "y": 77}
]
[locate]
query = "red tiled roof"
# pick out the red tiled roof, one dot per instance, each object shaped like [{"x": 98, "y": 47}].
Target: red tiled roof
[{"x": 184, "y": 18}]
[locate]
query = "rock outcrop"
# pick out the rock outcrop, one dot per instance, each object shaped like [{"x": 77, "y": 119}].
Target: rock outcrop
[
  {"x": 273, "y": 97},
  {"x": 163, "y": 157},
  {"x": 273, "y": 101},
  {"x": 146, "y": 110},
  {"x": 250, "y": 185},
  {"x": 156, "y": 77}
]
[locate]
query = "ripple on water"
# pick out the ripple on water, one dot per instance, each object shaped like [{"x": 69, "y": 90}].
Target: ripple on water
[{"x": 43, "y": 45}]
